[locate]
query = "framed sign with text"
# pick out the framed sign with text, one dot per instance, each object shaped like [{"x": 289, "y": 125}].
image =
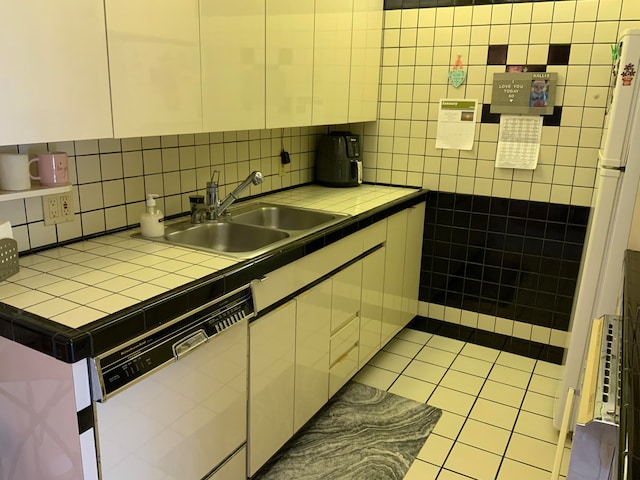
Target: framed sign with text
[{"x": 530, "y": 93}]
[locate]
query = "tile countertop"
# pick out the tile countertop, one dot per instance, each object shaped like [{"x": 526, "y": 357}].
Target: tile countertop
[{"x": 60, "y": 294}]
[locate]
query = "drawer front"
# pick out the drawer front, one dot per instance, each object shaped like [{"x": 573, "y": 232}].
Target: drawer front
[
  {"x": 273, "y": 286},
  {"x": 342, "y": 371},
  {"x": 344, "y": 340},
  {"x": 321, "y": 262},
  {"x": 374, "y": 235}
]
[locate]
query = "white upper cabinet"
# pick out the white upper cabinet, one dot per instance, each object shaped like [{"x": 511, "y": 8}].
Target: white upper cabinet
[
  {"x": 233, "y": 64},
  {"x": 332, "y": 61},
  {"x": 289, "y": 59},
  {"x": 365, "y": 60},
  {"x": 54, "y": 80},
  {"x": 154, "y": 60}
]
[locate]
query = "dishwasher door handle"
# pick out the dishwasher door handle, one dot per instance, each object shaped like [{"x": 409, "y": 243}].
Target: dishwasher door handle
[{"x": 187, "y": 345}]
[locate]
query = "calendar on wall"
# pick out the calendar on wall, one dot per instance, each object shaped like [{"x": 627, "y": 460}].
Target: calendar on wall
[{"x": 519, "y": 141}]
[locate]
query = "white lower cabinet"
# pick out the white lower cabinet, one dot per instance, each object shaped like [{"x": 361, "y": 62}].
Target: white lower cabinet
[
  {"x": 303, "y": 352},
  {"x": 392, "y": 316},
  {"x": 402, "y": 269},
  {"x": 412, "y": 262},
  {"x": 313, "y": 331},
  {"x": 271, "y": 383}
]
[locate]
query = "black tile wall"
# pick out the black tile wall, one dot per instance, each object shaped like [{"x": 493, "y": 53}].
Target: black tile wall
[
  {"x": 526, "y": 348},
  {"x": 515, "y": 259}
]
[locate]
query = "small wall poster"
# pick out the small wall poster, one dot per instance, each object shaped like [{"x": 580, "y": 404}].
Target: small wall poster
[
  {"x": 531, "y": 93},
  {"x": 456, "y": 124}
]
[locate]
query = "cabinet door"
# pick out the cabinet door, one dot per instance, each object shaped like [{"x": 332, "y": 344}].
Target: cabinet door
[
  {"x": 371, "y": 305},
  {"x": 313, "y": 322},
  {"x": 412, "y": 261},
  {"x": 55, "y": 80},
  {"x": 232, "y": 43},
  {"x": 289, "y": 56},
  {"x": 332, "y": 61},
  {"x": 392, "y": 316},
  {"x": 271, "y": 383},
  {"x": 365, "y": 60},
  {"x": 154, "y": 61}
]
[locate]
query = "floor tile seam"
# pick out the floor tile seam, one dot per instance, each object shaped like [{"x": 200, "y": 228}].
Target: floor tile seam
[
  {"x": 407, "y": 366},
  {"x": 453, "y": 471},
  {"x": 515, "y": 422},
  {"x": 530, "y": 372},
  {"x": 466, "y": 419},
  {"x": 525, "y": 463},
  {"x": 537, "y": 438},
  {"x": 481, "y": 448}
]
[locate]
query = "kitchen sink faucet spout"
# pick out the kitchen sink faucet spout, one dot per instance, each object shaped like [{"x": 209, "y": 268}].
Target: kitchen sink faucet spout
[{"x": 214, "y": 208}]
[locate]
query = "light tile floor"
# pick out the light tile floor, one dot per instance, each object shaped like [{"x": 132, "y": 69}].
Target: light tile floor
[{"x": 496, "y": 419}]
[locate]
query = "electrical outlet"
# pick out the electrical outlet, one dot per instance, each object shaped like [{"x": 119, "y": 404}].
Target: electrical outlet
[
  {"x": 65, "y": 205},
  {"x": 57, "y": 208},
  {"x": 50, "y": 209}
]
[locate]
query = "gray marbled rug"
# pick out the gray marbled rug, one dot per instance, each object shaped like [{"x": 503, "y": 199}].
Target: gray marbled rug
[{"x": 362, "y": 434}]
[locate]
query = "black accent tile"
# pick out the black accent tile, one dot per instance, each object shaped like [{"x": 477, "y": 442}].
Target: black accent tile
[
  {"x": 410, "y": 3},
  {"x": 85, "y": 419},
  {"x": 497, "y": 341},
  {"x": 559, "y": 54},
  {"x": 392, "y": 4},
  {"x": 578, "y": 215},
  {"x": 536, "y": 68},
  {"x": 168, "y": 309},
  {"x": 554, "y": 119},
  {"x": 515, "y": 261},
  {"x": 115, "y": 330},
  {"x": 558, "y": 213},
  {"x": 428, "y": 3},
  {"x": 497, "y": 55},
  {"x": 72, "y": 345}
]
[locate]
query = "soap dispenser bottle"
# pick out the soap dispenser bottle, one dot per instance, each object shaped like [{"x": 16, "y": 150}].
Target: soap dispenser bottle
[{"x": 152, "y": 222}]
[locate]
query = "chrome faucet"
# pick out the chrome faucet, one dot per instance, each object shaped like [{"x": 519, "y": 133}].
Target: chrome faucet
[{"x": 214, "y": 208}]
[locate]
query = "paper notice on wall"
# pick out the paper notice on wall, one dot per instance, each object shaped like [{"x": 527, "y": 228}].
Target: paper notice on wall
[
  {"x": 519, "y": 141},
  {"x": 456, "y": 124}
]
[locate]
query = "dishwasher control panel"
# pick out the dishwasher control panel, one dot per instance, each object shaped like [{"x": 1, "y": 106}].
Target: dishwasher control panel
[{"x": 134, "y": 360}]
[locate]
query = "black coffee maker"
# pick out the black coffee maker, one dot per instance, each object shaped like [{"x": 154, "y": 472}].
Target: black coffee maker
[{"x": 338, "y": 160}]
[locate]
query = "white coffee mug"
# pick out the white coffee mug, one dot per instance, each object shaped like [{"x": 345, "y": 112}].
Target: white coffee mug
[{"x": 14, "y": 171}]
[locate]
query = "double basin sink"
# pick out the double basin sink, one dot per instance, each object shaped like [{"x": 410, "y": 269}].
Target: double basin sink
[{"x": 249, "y": 230}]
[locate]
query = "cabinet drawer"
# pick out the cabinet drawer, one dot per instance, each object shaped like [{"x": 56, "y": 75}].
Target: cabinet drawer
[
  {"x": 344, "y": 340},
  {"x": 329, "y": 258},
  {"x": 342, "y": 371},
  {"x": 374, "y": 234},
  {"x": 273, "y": 286}
]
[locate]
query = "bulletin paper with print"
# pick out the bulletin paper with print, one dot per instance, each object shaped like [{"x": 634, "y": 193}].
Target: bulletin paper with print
[{"x": 519, "y": 141}]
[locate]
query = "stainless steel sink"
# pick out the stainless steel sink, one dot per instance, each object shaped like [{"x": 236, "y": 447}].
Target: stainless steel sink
[
  {"x": 250, "y": 229},
  {"x": 283, "y": 217},
  {"x": 223, "y": 236}
]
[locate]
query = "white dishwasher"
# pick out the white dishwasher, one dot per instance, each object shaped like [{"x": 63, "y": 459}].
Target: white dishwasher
[{"x": 172, "y": 404}]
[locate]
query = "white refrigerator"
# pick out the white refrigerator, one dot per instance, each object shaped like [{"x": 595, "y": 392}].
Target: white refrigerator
[{"x": 600, "y": 280}]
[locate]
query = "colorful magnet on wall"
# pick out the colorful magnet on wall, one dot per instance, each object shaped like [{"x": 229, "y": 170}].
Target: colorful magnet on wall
[
  {"x": 457, "y": 74},
  {"x": 628, "y": 73}
]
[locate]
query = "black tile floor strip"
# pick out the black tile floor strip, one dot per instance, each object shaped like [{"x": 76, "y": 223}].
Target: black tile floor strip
[{"x": 498, "y": 341}]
